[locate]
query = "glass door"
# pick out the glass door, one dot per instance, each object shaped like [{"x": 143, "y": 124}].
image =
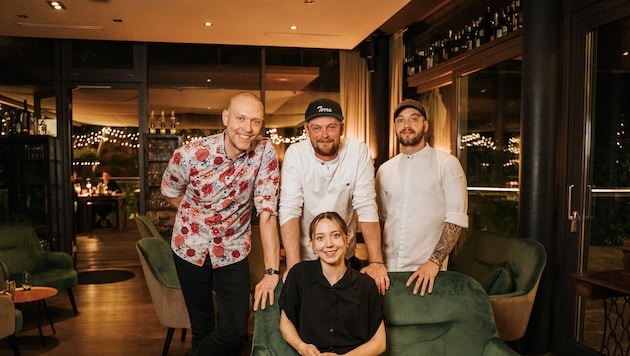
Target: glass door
[{"x": 598, "y": 184}]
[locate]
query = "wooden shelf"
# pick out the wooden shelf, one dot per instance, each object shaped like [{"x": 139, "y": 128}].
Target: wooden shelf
[{"x": 502, "y": 49}]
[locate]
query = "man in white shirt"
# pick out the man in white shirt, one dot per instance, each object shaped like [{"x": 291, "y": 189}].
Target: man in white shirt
[
  {"x": 329, "y": 173},
  {"x": 422, "y": 200}
]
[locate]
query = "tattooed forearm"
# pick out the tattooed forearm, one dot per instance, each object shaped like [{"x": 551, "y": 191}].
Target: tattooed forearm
[{"x": 449, "y": 238}]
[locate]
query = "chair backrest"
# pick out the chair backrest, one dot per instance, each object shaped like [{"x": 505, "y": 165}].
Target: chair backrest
[
  {"x": 456, "y": 319},
  {"x": 160, "y": 274},
  {"x": 19, "y": 245},
  {"x": 510, "y": 270},
  {"x": 146, "y": 228},
  {"x": 10, "y": 318}
]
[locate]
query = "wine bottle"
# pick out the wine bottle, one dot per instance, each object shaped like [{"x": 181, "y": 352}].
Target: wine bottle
[
  {"x": 421, "y": 61},
  {"x": 486, "y": 27},
  {"x": 25, "y": 119},
  {"x": 152, "y": 122},
  {"x": 429, "y": 57},
  {"x": 173, "y": 123},
  {"x": 163, "y": 124}
]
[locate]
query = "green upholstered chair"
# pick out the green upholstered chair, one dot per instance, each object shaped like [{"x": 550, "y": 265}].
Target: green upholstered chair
[
  {"x": 146, "y": 228},
  {"x": 156, "y": 258},
  {"x": 10, "y": 321},
  {"x": 509, "y": 269},
  {"x": 456, "y": 319},
  {"x": 21, "y": 250}
]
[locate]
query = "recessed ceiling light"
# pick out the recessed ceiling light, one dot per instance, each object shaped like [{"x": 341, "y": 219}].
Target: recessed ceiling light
[
  {"x": 293, "y": 27},
  {"x": 118, "y": 20},
  {"x": 309, "y": 1},
  {"x": 207, "y": 24},
  {"x": 209, "y": 80},
  {"x": 22, "y": 17},
  {"x": 625, "y": 53},
  {"x": 57, "y": 5}
]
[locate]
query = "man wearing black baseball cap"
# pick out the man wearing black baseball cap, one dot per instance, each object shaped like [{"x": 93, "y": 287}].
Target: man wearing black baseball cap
[
  {"x": 329, "y": 172},
  {"x": 422, "y": 201}
]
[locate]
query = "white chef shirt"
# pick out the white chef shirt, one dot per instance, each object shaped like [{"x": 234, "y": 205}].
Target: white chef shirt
[{"x": 417, "y": 194}]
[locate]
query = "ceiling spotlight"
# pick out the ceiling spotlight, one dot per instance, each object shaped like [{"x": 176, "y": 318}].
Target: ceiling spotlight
[
  {"x": 309, "y": 1},
  {"x": 57, "y": 5},
  {"x": 207, "y": 24},
  {"x": 625, "y": 53},
  {"x": 118, "y": 20},
  {"x": 293, "y": 27}
]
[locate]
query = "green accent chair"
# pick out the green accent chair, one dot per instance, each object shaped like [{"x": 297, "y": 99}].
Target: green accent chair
[
  {"x": 456, "y": 319},
  {"x": 156, "y": 258},
  {"x": 20, "y": 250},
  {"x": 10, "y": 321},
  {"x": 509, "y": 269},
  {"x": 146, "y": 228}
]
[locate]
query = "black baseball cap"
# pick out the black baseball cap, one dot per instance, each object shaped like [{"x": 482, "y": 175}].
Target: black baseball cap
[
  {"x": 410, "y": 103},
  {"x": 323, "y": 107}
]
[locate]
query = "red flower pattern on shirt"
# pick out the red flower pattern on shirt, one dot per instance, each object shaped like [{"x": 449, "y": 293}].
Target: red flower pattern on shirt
[{"x": 213, "y": 217}]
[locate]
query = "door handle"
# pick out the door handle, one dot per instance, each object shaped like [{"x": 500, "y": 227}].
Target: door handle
[{"x": 572, "y": 215}]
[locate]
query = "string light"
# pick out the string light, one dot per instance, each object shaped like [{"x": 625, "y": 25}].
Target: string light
[
  {"x": 476, "y": 140},
  {"x": 278, "y": 139},
  {"x": 106, "y": 134}
]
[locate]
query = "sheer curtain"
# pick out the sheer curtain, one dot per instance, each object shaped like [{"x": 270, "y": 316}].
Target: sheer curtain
[
  {"x": 396, "y": 57},
  {"x": 354, "y": 91}
]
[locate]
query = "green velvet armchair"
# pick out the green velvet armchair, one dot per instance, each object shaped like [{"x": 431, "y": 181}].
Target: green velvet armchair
[
  {"x": 456, "y": 319},
  {"x": 146, "y": 228},
  {"x": 509, "y": 269},
  {"x": 10, "y": 321},
  {"x": 156, "y": 258},
  {"x": 21, "y": 250}
]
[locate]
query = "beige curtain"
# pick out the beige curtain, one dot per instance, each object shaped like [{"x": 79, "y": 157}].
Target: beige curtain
[
  {"x": 354, "y": 91},
  {"x": 440, "y": 130},
  {"x": 396, "y": 56}
]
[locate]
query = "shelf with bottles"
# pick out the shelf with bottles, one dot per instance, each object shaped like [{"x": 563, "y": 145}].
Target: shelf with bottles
[
  {"x": 161, "y": 147},
  {"x": 155, "y": 170},
  {"x": 19, "y": 121},
  {"x": 156, "y": 202},
  {"x": 161, "y": 125},
  {"x": 426, "y": 53}
]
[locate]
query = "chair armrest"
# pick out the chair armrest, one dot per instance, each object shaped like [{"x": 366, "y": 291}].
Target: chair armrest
[
  {"x": 496, "y": 347},
  {"x": 512, "y": 314},
  {"x": 4, "y": 271},
  {"x": 7, "y": 316},
  {"x": 58, "y": 259}
]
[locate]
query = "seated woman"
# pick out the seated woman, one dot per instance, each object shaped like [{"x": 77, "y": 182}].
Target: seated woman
[{"x": 326, "y": 307}]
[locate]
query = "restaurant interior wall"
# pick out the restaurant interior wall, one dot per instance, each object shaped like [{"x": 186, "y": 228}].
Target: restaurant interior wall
[{"x": 116, "y": 85}]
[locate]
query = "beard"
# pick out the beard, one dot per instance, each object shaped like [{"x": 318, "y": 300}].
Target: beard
[
  {"x": 408, "y": 140},
  {"x": 327, "y": 149}
]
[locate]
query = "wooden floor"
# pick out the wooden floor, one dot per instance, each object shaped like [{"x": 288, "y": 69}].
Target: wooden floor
[{"x": 114, "y": 319}]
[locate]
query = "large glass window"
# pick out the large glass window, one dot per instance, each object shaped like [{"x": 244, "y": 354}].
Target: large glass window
[{"x": 489, "y": 144}]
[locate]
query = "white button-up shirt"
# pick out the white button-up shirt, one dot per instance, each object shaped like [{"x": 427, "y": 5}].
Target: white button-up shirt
[
  {"x": 310, "y": 186},
  {"x": 417, "y": 194}
]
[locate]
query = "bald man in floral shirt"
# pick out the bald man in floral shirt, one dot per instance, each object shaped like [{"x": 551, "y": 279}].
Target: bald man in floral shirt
[{"x": 215, "y": 183}]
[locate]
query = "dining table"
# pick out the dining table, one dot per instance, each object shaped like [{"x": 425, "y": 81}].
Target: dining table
[
  {"x": 37, "y": 295},
  {"x": 88, "y": 205}
]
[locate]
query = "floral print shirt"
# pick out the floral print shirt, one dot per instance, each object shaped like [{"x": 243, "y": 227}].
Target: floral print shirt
[{"x": 219, "y": 194}]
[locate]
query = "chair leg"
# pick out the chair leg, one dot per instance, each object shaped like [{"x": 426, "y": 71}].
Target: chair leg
[
  {"x": 167, "y": 342},
  {"x": 183, "y": 335},
  {"x": 14, "y": 345},
  {"x": 74, "y": 304}
]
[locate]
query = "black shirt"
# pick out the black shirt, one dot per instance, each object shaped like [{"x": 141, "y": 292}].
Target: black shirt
[{"x": 334, "y": 318}]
